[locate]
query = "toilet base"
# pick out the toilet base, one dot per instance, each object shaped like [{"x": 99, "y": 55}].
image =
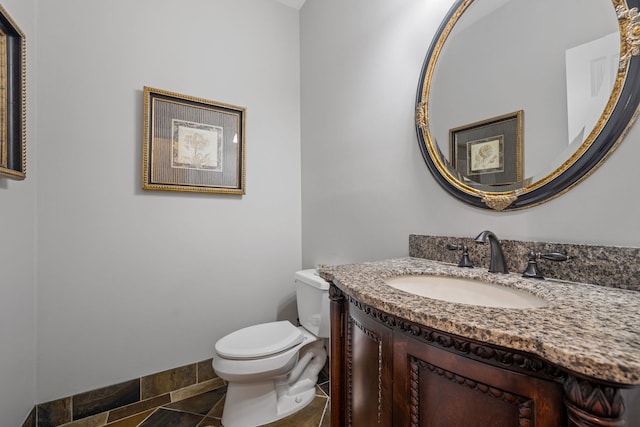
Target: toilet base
[
  {"x": 254, "y": 403},
  {"x": 250, "y": 405}
]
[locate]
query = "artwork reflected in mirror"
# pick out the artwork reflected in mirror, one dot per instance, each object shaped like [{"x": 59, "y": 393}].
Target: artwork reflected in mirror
[{"x": 489, "y": 152}]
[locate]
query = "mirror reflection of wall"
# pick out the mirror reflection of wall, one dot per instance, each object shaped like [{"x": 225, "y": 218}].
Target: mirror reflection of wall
[
  {"x": 591, "y": 73},
  {"x": 504, "y": 56}
]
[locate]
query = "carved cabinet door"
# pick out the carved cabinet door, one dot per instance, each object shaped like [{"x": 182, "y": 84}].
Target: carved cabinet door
[
  {"x": 436, "y": 388},
  {"x": 368, "y": 371}
]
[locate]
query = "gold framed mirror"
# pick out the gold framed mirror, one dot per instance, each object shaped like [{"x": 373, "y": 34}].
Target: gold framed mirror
[{"x": 573, "y": 75}]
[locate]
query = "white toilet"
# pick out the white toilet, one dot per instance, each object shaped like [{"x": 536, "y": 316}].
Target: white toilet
[{"x": 271, "y": 369}]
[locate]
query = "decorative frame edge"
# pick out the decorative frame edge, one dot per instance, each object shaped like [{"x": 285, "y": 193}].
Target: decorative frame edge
[{"x": 6, "y": 171}]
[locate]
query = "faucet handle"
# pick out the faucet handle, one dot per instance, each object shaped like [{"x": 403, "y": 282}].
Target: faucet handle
[
  {"x": 464, "y": 260},
  {"x": 554, "y": 256},
  {"x": 532, "y": 270}
]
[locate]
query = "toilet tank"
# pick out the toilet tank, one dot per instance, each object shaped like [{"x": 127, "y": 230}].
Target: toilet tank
[{"x": 312, "y": 296}]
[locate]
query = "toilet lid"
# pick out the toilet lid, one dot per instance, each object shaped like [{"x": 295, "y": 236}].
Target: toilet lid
[{"x": 259, "y": 340}]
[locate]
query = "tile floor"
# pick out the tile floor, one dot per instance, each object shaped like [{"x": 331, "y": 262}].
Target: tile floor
[{"x": 205, "y": 410}]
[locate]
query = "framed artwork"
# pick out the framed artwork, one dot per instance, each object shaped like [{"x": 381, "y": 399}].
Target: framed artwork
[
  {"x": 192, "y": 144},
  {"x": 13, "y": 149},
  {"x": 489, "y": 152}
]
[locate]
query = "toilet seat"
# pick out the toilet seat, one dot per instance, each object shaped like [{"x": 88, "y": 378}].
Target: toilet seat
[{"x": 259, "y": 341}]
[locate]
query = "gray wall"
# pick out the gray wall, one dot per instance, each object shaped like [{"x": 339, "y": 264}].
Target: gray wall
[
  {"x": 365, "y": 185},
  {"x": 17, "y": 256},
  {"x": 133, "y": 282}
]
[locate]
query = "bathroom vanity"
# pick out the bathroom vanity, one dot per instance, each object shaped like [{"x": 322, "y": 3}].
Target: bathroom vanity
[{"x": 400, "y": 359}]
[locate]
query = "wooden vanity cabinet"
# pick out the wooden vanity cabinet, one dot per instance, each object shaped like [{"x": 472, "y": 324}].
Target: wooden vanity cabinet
[
  {"x": 439, "y": 388},
  {"x": 387, "y": 372},
  {"x": 369, "y": 371}
]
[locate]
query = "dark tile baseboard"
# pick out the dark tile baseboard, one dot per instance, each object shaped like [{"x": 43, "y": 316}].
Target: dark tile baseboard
[{"x": 118, "y": 401}]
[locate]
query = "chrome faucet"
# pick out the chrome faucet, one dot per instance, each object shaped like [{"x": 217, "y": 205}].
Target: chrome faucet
[{"x": 496, "y": 263}]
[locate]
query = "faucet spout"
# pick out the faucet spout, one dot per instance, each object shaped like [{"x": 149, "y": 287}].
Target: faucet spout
[{"x": 496, "y": 263}]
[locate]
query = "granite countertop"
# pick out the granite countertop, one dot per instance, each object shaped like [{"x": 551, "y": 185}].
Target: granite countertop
[{"x": 585, "y": 328}]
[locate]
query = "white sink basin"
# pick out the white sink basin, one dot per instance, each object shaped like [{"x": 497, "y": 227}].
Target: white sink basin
[{"x": 465, "y": 291}]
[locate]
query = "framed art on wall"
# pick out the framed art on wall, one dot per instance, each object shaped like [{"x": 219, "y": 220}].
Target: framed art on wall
[
  {"x": 13, "y": 150},
  {"x": 489, "y": 151},
  {"x": 192, "y": 144}
]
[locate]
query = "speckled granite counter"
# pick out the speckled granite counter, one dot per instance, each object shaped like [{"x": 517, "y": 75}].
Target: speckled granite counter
[{"x": 587, "y": 329}]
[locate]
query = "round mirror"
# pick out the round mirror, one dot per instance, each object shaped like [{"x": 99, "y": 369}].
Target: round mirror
[{"x": 516, "y": 105}]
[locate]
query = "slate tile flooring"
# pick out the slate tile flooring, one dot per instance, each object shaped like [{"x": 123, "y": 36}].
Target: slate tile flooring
[{"x": 205, "y": 410}]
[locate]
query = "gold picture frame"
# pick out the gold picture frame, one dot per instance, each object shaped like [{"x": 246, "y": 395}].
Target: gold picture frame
[
  {"x": 13, "y": 148},
  {"x": 489, "y": 152},
  {"x": 192, "y": 144}
]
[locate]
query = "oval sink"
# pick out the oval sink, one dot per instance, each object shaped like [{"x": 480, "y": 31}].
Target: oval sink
[{"x": 465, "y": 291}]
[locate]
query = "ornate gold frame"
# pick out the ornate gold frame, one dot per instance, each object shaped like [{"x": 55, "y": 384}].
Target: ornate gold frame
[
  {"x": 192, "y": 144},
  {"x": 13, "y": 149},
  {"x": 536, "y": 192}
]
